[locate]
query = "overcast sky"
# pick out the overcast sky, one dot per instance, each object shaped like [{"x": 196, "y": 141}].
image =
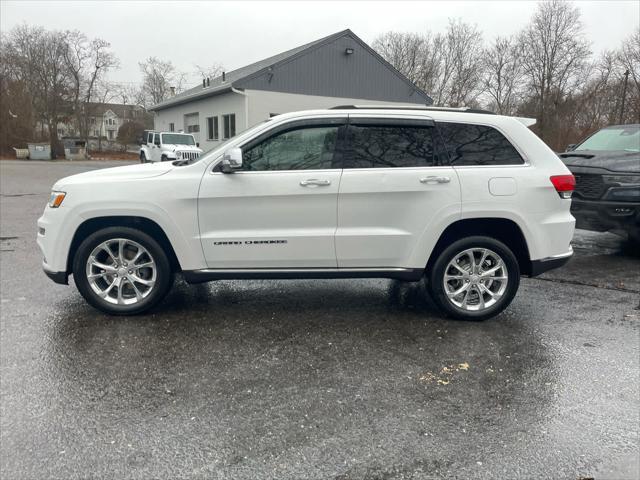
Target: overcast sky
[{"x": 238, "y": 33}]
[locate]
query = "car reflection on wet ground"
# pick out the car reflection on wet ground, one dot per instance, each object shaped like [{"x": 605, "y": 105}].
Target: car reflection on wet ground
[{"x": 342, "y": 379}]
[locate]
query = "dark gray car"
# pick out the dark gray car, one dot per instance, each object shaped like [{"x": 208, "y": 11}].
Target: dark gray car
[{"x": 607, "y": 170}]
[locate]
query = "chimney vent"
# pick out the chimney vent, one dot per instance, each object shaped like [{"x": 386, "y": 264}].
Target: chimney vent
[
  {"x": 208, "y": 81},
  {"x": 204, "y": 83},
  {"x": 224, "y": 76},
  {"x": 173, "y": 91}
]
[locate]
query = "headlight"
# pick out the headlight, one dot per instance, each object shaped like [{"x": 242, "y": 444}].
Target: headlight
[
  {"x": 622, "y": 179},
  {"x": 56, "y": 199}
]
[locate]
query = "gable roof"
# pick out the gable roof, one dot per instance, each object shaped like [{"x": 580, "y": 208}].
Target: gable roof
[{"x": 240, "y": 75}]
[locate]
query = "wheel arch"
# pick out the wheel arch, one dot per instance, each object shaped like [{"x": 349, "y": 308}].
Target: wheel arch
[
  {"x": 143, "y": 224},
  {"x": 505, "y": 230}
]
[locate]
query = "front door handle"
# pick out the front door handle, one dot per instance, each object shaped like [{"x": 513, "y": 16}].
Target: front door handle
[
  {"x": 314, "y": 182},
  {"x": 433, "y": 179}
]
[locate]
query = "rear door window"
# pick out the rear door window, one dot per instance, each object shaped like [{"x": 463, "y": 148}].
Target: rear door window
[
  {"x": 469, "y": 144},
  {"x": 381, "y": 146}
]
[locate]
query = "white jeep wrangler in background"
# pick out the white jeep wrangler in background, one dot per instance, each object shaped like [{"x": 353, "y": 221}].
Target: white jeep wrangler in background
[
  {"x": 168, "y": 146},
  {"x": 467, "y": 201}
]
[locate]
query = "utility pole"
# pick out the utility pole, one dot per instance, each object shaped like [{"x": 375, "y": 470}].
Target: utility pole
[{"x": 624, "y": 95}]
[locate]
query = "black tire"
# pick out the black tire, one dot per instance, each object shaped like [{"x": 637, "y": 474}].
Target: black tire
[
  {"x": 164, "y": 273},
  {"x": 435, "y": 278},
  {"x": 163, "y": 158},
  {"x": 143, "y": 158}
]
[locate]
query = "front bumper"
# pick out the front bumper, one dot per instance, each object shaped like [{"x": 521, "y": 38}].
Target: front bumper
[
  {"x": 538, "y": 267},
  {"x": 601, "y": 215},
  {"x": 58, "y": 277}
]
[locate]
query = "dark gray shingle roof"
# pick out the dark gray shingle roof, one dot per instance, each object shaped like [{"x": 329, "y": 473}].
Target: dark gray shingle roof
[{"x": 217, "y": 86}]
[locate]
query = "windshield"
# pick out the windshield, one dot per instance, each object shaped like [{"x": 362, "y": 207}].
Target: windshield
[
  {"x": 618, "y": 138},
  {"x": 177, "y": 139}
]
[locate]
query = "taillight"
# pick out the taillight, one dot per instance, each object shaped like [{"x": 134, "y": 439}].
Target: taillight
[{"x": 564, "y": 184}]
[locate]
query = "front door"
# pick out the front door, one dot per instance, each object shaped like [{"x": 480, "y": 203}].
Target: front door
[
  {"x": 279, "y": 210},
  {"x": 155, "y": 148},
  {"x": 394, "y": 190}
]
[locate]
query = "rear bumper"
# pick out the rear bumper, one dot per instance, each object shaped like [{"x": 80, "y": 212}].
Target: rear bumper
[
  {"x": 601, "y": 216},
  {"x": 538, "y": 267}
]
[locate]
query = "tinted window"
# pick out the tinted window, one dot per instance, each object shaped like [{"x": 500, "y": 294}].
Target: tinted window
[
  {"x": 477, "y": 145},
  {"x": 301, "y": 149},
  {"x": 388, "y": 147}
]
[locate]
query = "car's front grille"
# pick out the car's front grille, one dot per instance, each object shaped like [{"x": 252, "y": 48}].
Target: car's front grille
[
  {"x": 589, "y": 186},
  {"x": 188, "y": 155}
]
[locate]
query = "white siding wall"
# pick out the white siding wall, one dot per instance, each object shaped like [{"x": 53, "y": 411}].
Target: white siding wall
[
  {"x": 263, "y": 102},
  {"x": 207, "y": 107}
]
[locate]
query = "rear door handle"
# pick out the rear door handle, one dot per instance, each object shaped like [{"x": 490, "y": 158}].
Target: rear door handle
[
  {"x": 433, "y": 179},
  {"x": 314, "y": 182}
]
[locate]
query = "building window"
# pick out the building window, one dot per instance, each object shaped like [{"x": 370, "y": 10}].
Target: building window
[
  {"x": 229, "y": 125},
  {"x": 172, "y": 127},
  {"x": 212, "y": 128},
  {"x": 110, "y": 132},
  {"x": 96, "y": 133},
  {"x": 193, "y": 128},
  {"x": 60, "y": 132}
]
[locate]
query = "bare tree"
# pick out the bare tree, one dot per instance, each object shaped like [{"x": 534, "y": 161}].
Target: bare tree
[
  {"x": 209, "y": 71},
  {"x": 447, "y": 66},
  {"x": 157, "y": 79},
  {"x": 405, "y": 51},
  {"x": 464, "y": 54},
  {"x": 88, "y": 61},
  {"x": 37, "y": 60},
  {"x": 554, "y": 57},
  {"x": 503, "y": 75},
  {"x": 629, "y": 59}
]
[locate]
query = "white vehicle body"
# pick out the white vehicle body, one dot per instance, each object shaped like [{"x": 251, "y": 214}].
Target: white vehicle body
[
  {"x": 168, "y": 146},
  {"x": 329, "y": 222}
]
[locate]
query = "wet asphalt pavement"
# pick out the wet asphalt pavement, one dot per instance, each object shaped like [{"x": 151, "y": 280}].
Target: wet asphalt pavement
[{"x": 317, "y": 379}]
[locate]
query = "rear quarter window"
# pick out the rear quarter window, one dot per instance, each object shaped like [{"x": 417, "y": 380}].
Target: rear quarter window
[{"x": 469, "y": 144}]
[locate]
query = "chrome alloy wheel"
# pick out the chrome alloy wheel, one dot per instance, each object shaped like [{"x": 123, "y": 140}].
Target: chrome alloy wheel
[
  {"x": 475, "y": 279},
  {"x": 121, "y": 271}
]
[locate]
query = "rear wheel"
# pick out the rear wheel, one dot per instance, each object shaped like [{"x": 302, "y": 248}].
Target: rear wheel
[
  {"x": 122, "y": 271},
  {"x": 143, "y": 158},
  {"x": 474, "y": 278}
]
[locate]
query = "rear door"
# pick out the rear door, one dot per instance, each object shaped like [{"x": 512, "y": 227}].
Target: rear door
[
  {"x": 395, "y": 191},
  {"x": 280, "y": 210}
]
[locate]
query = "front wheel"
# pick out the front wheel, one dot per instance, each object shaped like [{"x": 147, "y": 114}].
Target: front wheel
[
  {"x": 143, "y": 158},
  {"x": 474, "y": 278},
  {"x": 122, "y": 271}
]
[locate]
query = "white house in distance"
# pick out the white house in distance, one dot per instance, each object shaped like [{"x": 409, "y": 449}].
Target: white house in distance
[
  {"x": 105, "y": 119},
  {"x": 339, "y": 69}
]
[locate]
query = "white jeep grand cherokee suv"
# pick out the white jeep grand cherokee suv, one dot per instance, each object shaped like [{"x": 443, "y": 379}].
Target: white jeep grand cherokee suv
[{"x": 467, "y": 201}]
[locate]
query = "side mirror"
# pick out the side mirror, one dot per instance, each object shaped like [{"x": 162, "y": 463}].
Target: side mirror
[
  {"x": 231, "y": 160},
  {"x": 198, "y": 144},
  {"x": 571, "y": 147}
]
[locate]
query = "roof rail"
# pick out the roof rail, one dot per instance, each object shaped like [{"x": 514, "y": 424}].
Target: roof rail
[{"x": 413, "y": 107}]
